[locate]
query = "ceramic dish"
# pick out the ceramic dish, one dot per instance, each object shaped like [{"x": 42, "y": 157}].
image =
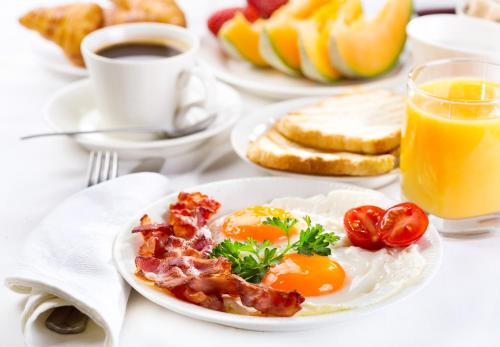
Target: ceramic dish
[
  {"x": 270, "y": 83},
  {"x": 240, "y": 193},
  {"x": 74, "y": 108},
  {"x": 255, "y": 124},
  {"x": 443, "y": 36}
]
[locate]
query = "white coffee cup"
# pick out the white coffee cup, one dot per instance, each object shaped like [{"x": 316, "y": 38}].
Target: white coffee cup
[{"x": 144, "y": 91}]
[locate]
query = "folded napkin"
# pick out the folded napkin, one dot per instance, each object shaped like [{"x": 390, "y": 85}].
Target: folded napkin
[{"x": 67, "y": 260}]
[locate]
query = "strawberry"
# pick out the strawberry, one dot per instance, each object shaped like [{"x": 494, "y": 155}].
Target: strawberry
[
  {"x": 266, "y": 7},
  {"x": 217, "y": 20},
  {"x": 251, "y": 13}
]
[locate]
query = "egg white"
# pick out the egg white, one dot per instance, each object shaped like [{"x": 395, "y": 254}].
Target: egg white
[{"x": 371, "y": 276}]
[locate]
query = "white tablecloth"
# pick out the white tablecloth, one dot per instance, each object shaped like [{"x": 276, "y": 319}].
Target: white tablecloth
[{"x": 460, "y": 307}]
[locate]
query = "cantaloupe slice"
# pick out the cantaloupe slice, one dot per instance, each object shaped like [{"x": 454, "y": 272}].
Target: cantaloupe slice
[
  {"x": 367, "y": 48},
  {"x": 279, "y": 38},
  {"x": 240, "y": 39},
  {"x": 313, "y": 35}
]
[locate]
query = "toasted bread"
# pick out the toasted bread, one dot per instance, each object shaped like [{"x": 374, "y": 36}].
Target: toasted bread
[
  {"x": 362, "y": 122},
  {"x": 273, "y": 150}
]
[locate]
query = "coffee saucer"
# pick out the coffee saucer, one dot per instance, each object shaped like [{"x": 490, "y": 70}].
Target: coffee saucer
[{"x": 74, "y": 108}]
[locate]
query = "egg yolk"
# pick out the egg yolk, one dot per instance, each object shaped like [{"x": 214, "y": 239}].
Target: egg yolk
[
  {"x": 248, "y": 222},
  {"x": 313, "y": 275}
]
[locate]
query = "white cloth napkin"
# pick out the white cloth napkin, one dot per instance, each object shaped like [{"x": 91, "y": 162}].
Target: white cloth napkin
[{"x": 67, "y": 260}]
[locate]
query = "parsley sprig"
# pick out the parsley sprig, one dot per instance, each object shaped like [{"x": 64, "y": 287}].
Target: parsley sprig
[
  {"x": 252, "y": 260},
  {"x": 249, "y": 259},
  {"x": 314, "y": 240}
]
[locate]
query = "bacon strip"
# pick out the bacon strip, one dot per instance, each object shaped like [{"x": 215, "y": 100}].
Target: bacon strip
[
  {"x": 191, "y": 212},
  {"x": 264, "y": 299},
  {"x": 175, "y": 257}
]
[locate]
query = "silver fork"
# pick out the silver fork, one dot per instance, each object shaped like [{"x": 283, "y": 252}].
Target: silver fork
[{"x": 103, "y": 166}]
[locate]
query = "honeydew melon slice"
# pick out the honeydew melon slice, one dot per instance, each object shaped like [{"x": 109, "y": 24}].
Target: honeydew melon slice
[
  {"x": 367, "y": 48},
  {"x": 278, "y": 46},
  {"x": 279, "y": 38},
  {"x": 313, "y": 43},
  {"x": 240, "y": 39}
]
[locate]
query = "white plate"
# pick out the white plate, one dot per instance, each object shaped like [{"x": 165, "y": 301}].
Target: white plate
[
  {"x": 271, "y": 83},
  {"x": 74, "y": 108},
  {"x": 237, "y": 194},
  {"x": 255, "y": 124},
  {"x": 51, "y": 57}
]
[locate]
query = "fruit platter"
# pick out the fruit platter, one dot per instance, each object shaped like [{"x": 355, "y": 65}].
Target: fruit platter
[{"x": 327, "y": 41}]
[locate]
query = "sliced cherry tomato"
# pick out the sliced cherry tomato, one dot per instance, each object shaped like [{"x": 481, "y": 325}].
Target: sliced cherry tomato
[
  {"x": 402, "y": 225},
  {"x": 361, "y": 226}
]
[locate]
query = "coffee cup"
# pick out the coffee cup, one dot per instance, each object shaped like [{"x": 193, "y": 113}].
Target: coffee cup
[{"x": 140, "y": 71}]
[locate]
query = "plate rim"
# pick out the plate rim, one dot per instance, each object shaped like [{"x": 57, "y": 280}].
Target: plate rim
[
  {"x": 261, "y": 117},
  {"x": 284, "y": 92},
  {"x": 236, "y": 102},
  {"x": 39, "y": 45},
  {"x": 268, "y": 323}
]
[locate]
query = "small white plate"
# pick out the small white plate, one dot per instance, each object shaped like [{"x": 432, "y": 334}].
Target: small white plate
[
  {"x": 271, "y": 83},
  {"x": 74, "y": 108},
  {"x": 235, "y": 195},
  {"x": 51, "y": 57},
  {"x": 257, "y": 123}
]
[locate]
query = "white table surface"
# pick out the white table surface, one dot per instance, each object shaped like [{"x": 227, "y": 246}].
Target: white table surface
[{"x": 460, "y": 307}]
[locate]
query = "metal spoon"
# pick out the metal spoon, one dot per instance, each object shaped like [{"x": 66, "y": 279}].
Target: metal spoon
[{"x": 202, "y": 125}]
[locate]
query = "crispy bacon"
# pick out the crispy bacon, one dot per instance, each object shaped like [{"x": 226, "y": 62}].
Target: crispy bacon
[
  {"x": 175, "y": 257},
  {"x": 185, "y": 276},
  {"x": 264, "y": 299},
  {"x": 191, "y": 212},
  {"x": 155, "y": 236},
  {"x": 189, "y": 265}
]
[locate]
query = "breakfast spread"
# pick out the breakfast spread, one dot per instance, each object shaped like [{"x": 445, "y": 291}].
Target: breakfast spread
[
  {"x": 267, "y": 253},
  {"x": 67, "y": 25},
  {"x": 323, "y": 40},
  {"x": 354, "y": 134},
  {"x": 293, "y": 256}
]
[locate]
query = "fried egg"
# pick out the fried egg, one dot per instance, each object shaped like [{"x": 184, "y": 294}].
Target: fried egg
[
  {"x": 350, "y": 277},
  {"x": 249, "y": 222},
  {"x": 310, "y": 275}
]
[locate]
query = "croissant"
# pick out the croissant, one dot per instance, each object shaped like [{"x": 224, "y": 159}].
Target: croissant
[
  {"x": 162, "y": 11},
  {"x": 66, "y": 25}
]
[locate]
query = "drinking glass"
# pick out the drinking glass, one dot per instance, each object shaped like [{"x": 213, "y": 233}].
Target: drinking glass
[{"x": 450, "y": 149}]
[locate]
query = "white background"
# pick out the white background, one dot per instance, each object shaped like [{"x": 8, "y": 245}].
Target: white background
[{"x": 461, "y": 307}]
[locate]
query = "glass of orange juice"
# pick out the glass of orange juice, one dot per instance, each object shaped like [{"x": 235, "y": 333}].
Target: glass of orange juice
[{"x": 450, "y": 149}]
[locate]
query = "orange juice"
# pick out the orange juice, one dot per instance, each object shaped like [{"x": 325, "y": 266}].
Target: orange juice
[{"x": 450, "y": 150}]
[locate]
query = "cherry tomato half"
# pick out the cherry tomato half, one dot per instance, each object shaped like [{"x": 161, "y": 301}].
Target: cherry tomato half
[
  {"x": 361, "y": 226},
  {"x": 402, "y": 224}
]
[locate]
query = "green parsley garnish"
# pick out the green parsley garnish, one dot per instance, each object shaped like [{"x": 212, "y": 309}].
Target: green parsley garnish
[
  {"x": 314, "y": 240},
  {"x": 251, "y": 260}
]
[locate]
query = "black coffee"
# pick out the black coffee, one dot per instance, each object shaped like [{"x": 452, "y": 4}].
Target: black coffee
[{"x": 139, "y": 50}]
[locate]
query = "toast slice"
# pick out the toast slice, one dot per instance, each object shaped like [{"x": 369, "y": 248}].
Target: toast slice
[
  {"x": 273, "y": 150},
  {"x": 360, "y": 122}
]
